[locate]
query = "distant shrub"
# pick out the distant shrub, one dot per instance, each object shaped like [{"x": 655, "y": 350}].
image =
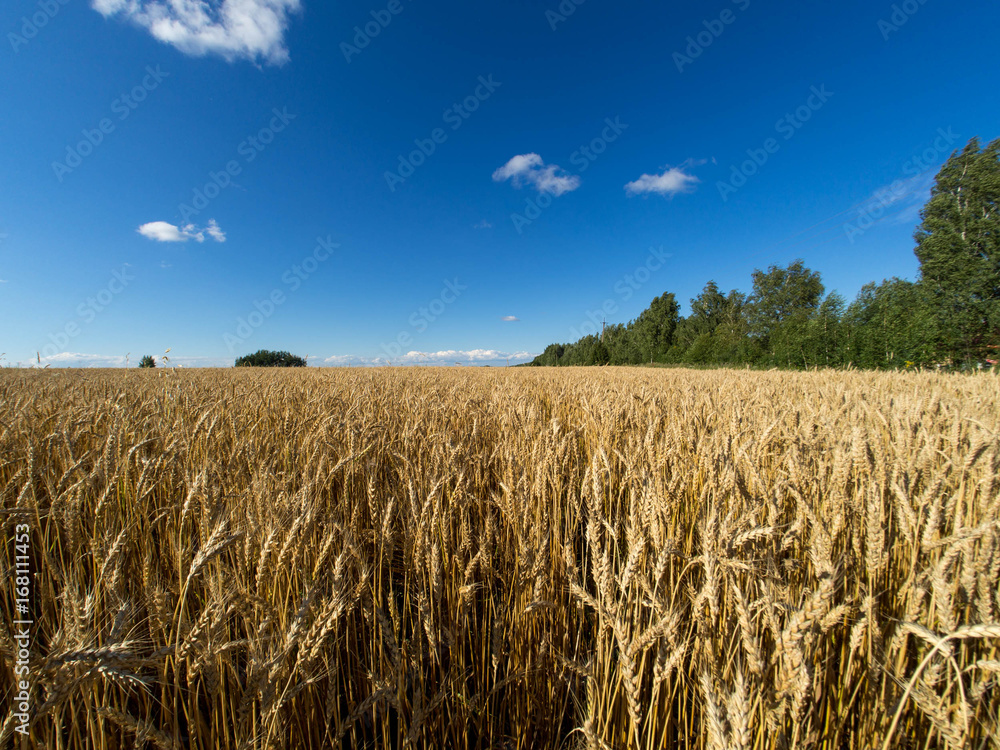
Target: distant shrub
[
  {"x": 265, "y": 358},
  {"x": 147, "y": 361}
]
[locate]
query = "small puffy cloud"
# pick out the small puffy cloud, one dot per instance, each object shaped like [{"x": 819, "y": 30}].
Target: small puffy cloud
[
  {"x": 162, "y": 231},
  {"x": 214, "y": 232},
  {"x": 233, "y": 29},
  {"x": 529, "y": 169},
  {"x": 510, "y": 319},
  {"x": 670, "y": 182},
  {"x": 482, "y": 225},
  {"x": 517, "y": 167}
]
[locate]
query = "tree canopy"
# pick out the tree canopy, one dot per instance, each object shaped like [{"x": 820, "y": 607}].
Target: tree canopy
[
  {"x": 265, "y": 358},
  {"x": 958, "y": 245}
]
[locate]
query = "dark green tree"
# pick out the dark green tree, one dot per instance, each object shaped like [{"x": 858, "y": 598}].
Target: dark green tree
[
  {"x": 694, "y": 338},
  {"x": 587, "y": 351},
  {"x": 708, "y": 307},
  {"x": 550, "y": 357},
  {"x": 701, "y": 351},
  {"x": 653, "y": 330},
  {"x": 573, "y": 353},
  {"x": 824, "y": 342},
  {"x": 264, "y": 358},
  {"x": 147, "y": 362},
  {"x": 780, "y": 306},
  {"x": 891, "y": 324},
  {"x": 599, "y": 353},
  {"x": 958, "y": 246},
  {"x": 732, "y": 343},
  {"x": 620, "y": 345}
]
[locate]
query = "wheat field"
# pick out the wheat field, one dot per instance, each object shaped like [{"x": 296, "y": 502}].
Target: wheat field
[{"x": 504, "y": 558}]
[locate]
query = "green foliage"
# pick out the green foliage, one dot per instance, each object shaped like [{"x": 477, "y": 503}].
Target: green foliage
[
  {"x": 958, "y": 245},
  {"x": 780, "y": 306},
  {"x": 586, "y": 351},
  {"x": 890, "y": 324},
  {"x": 824, "y": 341},
  {"x": 147, "y": 362},
  {"x": 716, "y": 330},
  {"x": 732, "y": 343},
  {"x": 622, "y": 349},
  {"x": 653, "y": 331},
  {"x": 551, "y": 356},
  {"x": 264, "y": 358},
  {"x": 693, "y": 339},
  {"x": 599, "y": 353}
]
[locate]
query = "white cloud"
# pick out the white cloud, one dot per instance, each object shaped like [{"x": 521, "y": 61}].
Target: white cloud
[
  {"x": 510, "y": 319},
  {"x": 672, "y": 181},
  {"x": 446, "y": 357},
  {"x": 482, "y": 225},
  {"x": 911, "y": 213},
  {"x": 901, "y": 201},
  {"x": 517, "y": 166},
  {"x": 529, "y": 169},
  {"x": 161, "y": 231},
  {"x": 214, "y": 232},
  {"x": 77, "y": 359},
  {"x": 249, "y": 29}
]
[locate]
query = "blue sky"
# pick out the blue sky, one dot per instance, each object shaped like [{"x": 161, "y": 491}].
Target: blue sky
[{"x": 468, "y": 184}]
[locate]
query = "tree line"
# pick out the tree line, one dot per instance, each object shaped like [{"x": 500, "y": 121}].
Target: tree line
[
  {"x": 266, "y": 358},
  {"x": 949, "y": 316}
]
